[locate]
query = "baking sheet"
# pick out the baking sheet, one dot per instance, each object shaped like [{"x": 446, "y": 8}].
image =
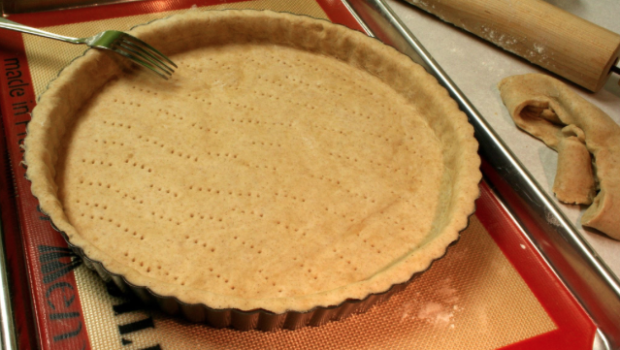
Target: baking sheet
[
  {"x": 521, "y": 251},
  {"x": 476, "y": 66}
]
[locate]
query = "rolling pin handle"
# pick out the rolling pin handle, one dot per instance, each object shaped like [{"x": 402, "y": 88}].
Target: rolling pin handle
[{"x": 538, "y": 31}]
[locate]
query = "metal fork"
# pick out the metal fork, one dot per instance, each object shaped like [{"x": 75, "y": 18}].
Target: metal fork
[{"x": 119, "y": 42}]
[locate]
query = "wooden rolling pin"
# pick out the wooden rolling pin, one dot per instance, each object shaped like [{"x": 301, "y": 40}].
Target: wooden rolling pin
[{"x": 543, "y": 34}]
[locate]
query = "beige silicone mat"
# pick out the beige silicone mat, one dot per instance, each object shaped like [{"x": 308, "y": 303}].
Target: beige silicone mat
[{"x": 473, "y": 298}]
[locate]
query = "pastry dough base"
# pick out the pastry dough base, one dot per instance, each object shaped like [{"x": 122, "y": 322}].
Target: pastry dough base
[{"x": 165, "y": 184}]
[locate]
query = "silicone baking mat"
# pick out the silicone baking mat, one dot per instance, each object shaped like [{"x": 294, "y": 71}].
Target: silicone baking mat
[{"x": 491, "y": 290}]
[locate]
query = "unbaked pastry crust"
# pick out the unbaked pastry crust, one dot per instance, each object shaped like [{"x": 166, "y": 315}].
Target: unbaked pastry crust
[
  {"x": 360, "y": 172},
  {"x": 550, "y": 111}
]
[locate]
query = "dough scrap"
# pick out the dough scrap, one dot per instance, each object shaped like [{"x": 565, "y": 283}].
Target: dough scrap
[
  {"x": 574, "y": 187},
  {"x": 550, "y": 111}
]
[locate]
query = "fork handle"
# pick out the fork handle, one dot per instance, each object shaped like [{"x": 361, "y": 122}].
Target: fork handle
[{"x": 7, "y": 24}]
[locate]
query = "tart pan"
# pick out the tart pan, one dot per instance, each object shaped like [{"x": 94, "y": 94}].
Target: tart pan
[{"x": 254, "y": 317}]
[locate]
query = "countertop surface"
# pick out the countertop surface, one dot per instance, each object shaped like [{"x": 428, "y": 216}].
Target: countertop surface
[{"x": 476, "y": 66}]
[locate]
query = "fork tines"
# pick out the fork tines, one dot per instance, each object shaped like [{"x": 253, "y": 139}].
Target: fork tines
[{"x": 146, "y": 55}]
